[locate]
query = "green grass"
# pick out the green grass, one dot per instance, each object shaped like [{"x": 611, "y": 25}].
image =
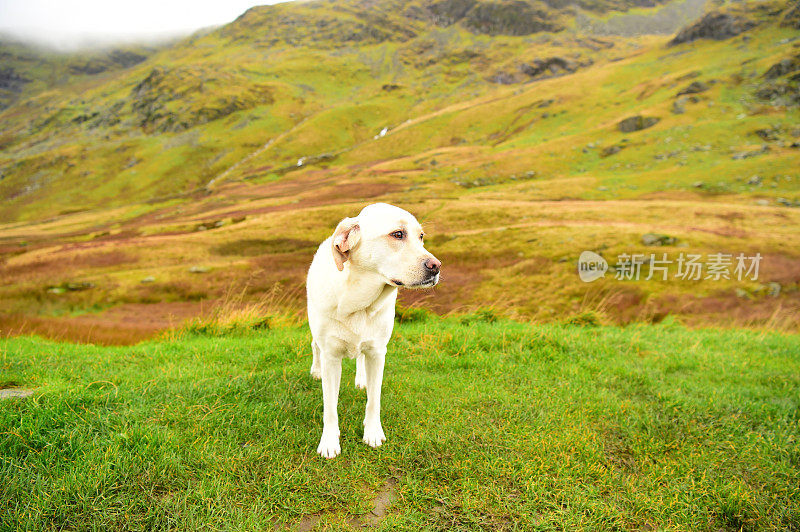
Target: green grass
[{"x": 491, "y": 425}]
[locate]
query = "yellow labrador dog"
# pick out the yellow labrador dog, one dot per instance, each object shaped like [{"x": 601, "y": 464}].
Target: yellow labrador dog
[{"x": 352, "y": 287}]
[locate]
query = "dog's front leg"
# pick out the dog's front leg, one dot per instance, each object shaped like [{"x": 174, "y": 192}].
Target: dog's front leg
[
  {"x": 373, "y": 431},
  {"x": 331, "y": 376}
]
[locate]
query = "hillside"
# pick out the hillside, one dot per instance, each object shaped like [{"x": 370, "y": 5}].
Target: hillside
[
  {"x": 522, "y": 133},
  {"x": 26, "y": 70}
]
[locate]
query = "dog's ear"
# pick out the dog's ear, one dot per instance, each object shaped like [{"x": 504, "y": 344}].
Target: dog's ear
[{"x": 344, "y": 239}]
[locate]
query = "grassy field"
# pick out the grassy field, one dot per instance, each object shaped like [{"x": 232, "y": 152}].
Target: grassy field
[{"x": 491, "y": 424}]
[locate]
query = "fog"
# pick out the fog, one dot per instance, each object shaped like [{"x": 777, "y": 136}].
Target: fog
[{"x": 72, "y": 24}]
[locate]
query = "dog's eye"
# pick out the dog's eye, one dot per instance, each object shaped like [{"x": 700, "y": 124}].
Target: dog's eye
[
  {"x": 398, "y": 235},
  {"x": 421, "y": 238}
]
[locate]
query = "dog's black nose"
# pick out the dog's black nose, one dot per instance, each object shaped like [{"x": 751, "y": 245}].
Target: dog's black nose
[{"x": 432, "y": 265}]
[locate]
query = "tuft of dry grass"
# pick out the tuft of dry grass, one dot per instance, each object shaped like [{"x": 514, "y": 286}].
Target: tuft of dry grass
[{"x": 234, "y": 314}]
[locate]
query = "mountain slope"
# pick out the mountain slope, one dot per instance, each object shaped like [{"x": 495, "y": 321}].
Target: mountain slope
[
  {"x": 235, "y": 150},
  {"x": 286, "y": 63}
]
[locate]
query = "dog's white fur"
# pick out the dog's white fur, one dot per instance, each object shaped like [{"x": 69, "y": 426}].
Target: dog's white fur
[{"x": 352, "y": 288}]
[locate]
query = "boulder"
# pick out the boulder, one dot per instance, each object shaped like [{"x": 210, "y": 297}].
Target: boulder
[
  {"x": 610, "y": 150},
  {"x": 693, "y": 88},
  {"x": 747, "y": 154},
  {"x": 637, "y": 123},
  {"x": 655, "y": 239},
  {"x": 503, "y": 78},
  {"x": 769, "y": 135}
]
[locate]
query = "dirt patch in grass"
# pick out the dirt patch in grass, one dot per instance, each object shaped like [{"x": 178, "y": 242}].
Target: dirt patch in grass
[
  {"x": 780, "y": 269},
  {"x": 254, "y": 246},
  {"x": 122, "y": 325},
  {"x": 735, "y": 311},
  {"x": 380, "y": 504},
  {"x": 61, "y": 262}
]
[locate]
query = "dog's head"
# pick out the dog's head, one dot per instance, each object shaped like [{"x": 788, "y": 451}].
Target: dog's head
[{"x": 389, "y": 241}]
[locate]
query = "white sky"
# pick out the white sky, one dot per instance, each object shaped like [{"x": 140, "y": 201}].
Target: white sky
[{"x": 75, "y": 23}]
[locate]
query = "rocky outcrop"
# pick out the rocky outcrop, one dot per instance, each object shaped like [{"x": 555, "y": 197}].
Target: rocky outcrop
[
  {"x": 113, "y": 60},
  {"x": 496, "y": 17},
  {"x": 780, "y": 93},
  {"x": 781, "y": 85},
  {"x": 539, "y": 69},
  {"x": 514, "y": 17},
  {"x": 550, "y": 65},
  {"x": 791, "y": 19},
  {"x": 11, "y": 80},
  {"x": 715, "y": 25},
  {"x": 176, "y": 99},
  {"x": 448, "y": 12},
  {"x": 783, "y": 67}
]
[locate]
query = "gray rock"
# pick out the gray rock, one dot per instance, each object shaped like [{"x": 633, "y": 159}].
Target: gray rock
[
  {"x": 503, "y": 78},
  {"x": 769, "y": 135},
  {"x": 654, "y": 239},
  {"x": 773, "y": 289},
  {"x": 610, "y": 150},
  {"x": 694, "y": 87},
  {"x": 637, "y": 123},
  {"x": 747, "y": 154},
  {"x": 199, "y": 269},
  {"x": 15, "y": 393},
  {"x": 548, "y": 66},
  {"x": 742, "y": 293}
]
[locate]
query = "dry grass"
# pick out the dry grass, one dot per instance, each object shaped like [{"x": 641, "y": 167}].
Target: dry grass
[{"x": 235, "y": 314}]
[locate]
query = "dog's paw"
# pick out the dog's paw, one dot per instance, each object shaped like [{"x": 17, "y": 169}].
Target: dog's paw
[
  {"x": 316, "y": 374},
  {"x": 361, "y": 381},
  {"x": 373, "y": 435},
  {"x": 329, "y": 445}
]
